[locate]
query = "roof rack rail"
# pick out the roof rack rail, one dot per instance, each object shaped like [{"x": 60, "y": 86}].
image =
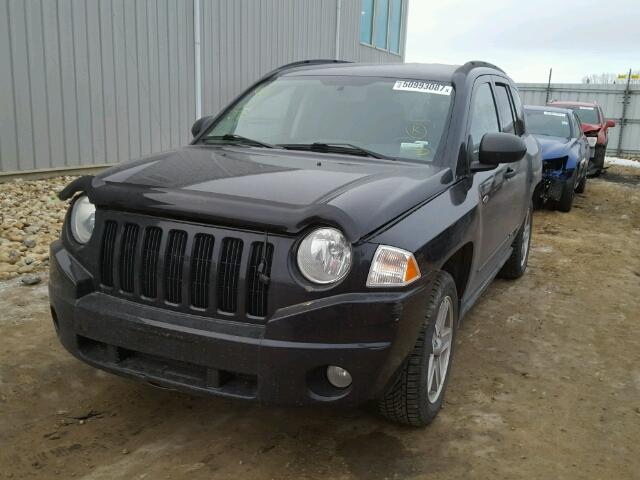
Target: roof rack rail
[
  {"x": 302, "y": 63},
  {"x": 478, "y": 63}
]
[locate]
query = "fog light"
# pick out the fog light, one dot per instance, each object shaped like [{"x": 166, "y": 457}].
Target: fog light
[{"x": 338, "y": 376}]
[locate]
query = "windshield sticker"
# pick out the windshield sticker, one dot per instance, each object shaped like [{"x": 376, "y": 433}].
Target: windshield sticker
[
  {"x": 416, "y": 130},
  {"x": 586, "y": 108},
  {"x": 556, "y": 114},
  {"x": 417, "y": 148},
  {"x": 423, "y": 87}
]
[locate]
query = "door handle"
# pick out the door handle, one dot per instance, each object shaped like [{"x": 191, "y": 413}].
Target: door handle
[{"x": 510, "y": 172}]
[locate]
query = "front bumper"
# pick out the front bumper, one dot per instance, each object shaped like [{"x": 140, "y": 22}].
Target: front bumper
[
  {"x": 553, "y": 183},
  {"x": 282, "y": 361}
]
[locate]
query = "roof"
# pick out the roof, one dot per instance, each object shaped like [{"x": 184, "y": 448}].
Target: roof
[
  {"x": 424, "y": 71},
  {"x": 548, "y": 108},
  {"x": 573, "y": 104}
]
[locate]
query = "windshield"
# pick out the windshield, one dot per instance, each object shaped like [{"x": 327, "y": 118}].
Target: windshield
[
  {"x": 383, "y": 116},
  {"x": 587, "y": 114},
  {"x": 555, "y": 124}
]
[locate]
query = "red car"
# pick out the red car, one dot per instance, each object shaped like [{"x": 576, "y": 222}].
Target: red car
[{"x": 595, "y": 126}]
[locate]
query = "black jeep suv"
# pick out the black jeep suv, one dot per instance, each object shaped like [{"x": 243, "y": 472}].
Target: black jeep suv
[{"x": 317, "y": 243}]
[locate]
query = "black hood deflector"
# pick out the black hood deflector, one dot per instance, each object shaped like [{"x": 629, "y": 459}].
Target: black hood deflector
[{"x": 268, "y": 190}]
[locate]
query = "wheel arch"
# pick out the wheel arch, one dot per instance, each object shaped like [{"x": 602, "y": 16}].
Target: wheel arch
[{"x": 458, "y": 265}]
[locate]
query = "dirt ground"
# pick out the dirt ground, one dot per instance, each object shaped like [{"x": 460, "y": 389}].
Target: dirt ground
[{"x": 545, "y": 385}]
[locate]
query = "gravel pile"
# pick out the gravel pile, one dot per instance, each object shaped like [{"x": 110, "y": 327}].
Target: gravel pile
[{"x": 31, "y": 216}]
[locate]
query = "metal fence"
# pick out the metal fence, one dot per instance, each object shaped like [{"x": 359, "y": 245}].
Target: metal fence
[{"x": 620, "y": 102}]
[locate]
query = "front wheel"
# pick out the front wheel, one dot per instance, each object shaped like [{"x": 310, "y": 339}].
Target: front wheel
[
  {"x": 417, "y": 394},
  {"x": 582, "y": 185},
  {"x": 566, "y": 199},
  {"x": 516, "y": 265}
]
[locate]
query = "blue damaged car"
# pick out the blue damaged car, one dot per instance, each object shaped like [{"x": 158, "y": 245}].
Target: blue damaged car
[{"x": 565, "y": 154}]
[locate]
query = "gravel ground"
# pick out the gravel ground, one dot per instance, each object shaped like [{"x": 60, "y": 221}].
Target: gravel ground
[
  {"x": 30, "y": 219},
  {"x": 545, "y": 383}
]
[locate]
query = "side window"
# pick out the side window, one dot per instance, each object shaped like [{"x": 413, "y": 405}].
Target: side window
[
  {"x": 484, "y": 118},
  {"x": 517, "y": 103},
  {"x": 504, "y": 107}
]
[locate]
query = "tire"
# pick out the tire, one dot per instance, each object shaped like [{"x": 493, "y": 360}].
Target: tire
[
  {"x": 411, "y": 400},
  {"x": 598, "y": 160},
  {"x": 582, "y": 185},
  {"x": 516, "y": 265},
  {"x": 566, "y": 199}
]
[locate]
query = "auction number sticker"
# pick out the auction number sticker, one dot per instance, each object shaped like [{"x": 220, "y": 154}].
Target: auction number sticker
[
  {"x": 423, "y": 87},
  {"x": 586, "y": 108},
  {"x": 555, "y": 114}
]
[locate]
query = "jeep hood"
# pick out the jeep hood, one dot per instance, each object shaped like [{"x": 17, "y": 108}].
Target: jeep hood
[
  {"x": 272, "y": 190},
  {"x": 554, "y": 147}
]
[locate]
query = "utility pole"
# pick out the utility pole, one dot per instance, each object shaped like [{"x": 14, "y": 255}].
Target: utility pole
[
  {"x": 549, "y": 86},
  {"x": 623, "y": 120}
]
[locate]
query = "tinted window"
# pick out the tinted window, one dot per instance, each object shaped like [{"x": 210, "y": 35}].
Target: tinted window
[
  {"x": 366, "y": 21},
  {"x": 587, "y": 114},
  {"x": 395, "y": 23},
  {"x": 379, "y": 114},
  {"x": 517, "y": 103},
  {"x": 381, "y": 20},
  {"x": 504, "y": 107},
  {"x": 548, "y": 123},
  {"x": 483, "y": 117}
]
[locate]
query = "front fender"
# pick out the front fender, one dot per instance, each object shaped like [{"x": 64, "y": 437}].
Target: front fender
[{"x": 439, "y": 228}]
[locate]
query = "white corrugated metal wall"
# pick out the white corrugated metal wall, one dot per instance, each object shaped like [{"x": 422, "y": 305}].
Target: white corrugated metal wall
[
  {"x": 89, "y": 82},
  {"x": 609, "y": 97},
  {"x": 93, "y": 82}
]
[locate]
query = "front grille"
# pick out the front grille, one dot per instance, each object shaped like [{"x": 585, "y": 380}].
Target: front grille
[
  {"x": 200, "y": 270},
  {"x": 257, "y": 279},
  {"x": 174, "y": 263},
  {"x": 228, "y": 274},
  {"x": 150, "y": 255},
  {"x": 107, "y": 253},
  {"x": 186, "y": 267},
  {"x": 127, "y": 252}
]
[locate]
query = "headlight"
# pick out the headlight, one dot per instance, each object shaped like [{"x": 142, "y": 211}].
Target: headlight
[
  {"x": 392, "y": 267},
  {"x": 324, "y": 256},
  {"x": 83, "y": 219}
]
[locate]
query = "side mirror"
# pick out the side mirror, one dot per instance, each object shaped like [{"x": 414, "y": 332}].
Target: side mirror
[
  {"x": 611, "y": 123},
  {"x": 197, "y": 127},
  {"x": 496, "y": 148}
]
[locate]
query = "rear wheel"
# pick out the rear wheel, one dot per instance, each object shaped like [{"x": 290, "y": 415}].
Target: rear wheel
[
  {"x": 417, "y": 394},
  {"x": 517, "y": 263}
]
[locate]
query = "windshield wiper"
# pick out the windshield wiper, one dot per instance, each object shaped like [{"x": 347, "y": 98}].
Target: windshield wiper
[
  {"x": 334, "y": 148},
  {"x": 232, "y": 137}
]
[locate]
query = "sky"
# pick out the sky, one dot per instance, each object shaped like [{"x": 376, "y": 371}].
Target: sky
[{"x": 527, "y": 37}]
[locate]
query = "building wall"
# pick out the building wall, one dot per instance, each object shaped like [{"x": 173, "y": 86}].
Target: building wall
[
  {"x": 610, "y": 97},
  {"x": 93, "y": 82}
]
